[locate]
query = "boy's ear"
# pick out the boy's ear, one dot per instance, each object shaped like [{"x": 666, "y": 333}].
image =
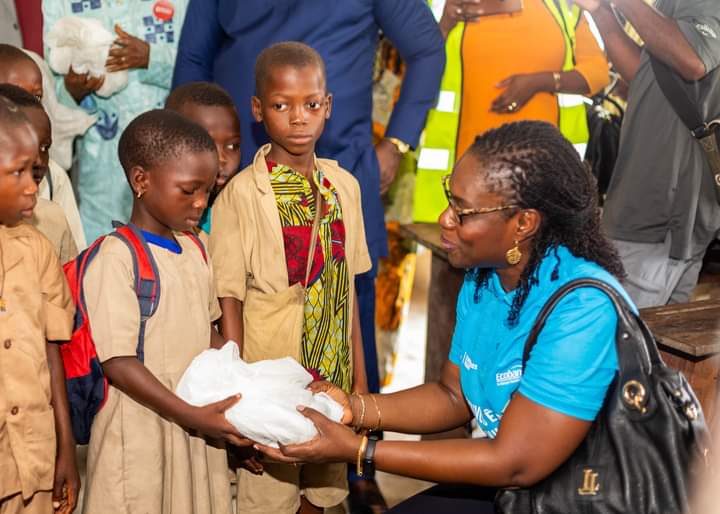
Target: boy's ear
[
  {"x": 138, "y": 180},
  {"x": 256, "y": 108},
  {"x": 329, "y": 106}
]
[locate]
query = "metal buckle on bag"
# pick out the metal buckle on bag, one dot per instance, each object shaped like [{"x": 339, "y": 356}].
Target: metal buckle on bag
[{"x": 634, "y": 395}]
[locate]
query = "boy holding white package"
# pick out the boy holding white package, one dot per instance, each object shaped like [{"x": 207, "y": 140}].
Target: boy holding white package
[
  {"x": 147, "y": 452},
  {"x": 287, "y": 240}
]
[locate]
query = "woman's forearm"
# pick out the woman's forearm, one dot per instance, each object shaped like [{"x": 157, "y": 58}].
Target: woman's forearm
[{"x": 426, "y": 409}]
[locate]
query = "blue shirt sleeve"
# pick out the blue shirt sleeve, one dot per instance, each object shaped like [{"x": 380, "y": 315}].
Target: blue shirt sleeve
[
  {"x": 411, "y": 27},
  {"x": 199, "y": 43},
  {"x": 466, "y": 298},
  {"x": 574, "y": 359}
]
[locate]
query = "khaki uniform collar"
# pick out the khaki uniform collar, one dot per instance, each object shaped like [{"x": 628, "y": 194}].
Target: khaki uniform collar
[{"x": 262, "y": 177}]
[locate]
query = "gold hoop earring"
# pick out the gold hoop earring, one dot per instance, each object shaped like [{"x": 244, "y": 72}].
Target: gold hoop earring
[
  {"x": 513, "y": 255},
  {"x": 139, "y": 193}
]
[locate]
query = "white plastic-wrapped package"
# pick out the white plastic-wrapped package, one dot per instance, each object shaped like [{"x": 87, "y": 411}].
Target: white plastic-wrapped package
[
  {"x": 271, "y": 391},
  {"x": 83, "y": 45}
]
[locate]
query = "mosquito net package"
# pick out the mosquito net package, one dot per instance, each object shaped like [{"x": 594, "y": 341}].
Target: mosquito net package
[{"x": 271, "y": 391}]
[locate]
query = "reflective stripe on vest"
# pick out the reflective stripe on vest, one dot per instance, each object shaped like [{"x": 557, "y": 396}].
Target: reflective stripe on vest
[{"x": 438, "y": 143}]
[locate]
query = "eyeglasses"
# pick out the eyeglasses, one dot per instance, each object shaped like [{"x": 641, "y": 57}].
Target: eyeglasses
[{"x": 459, "y": 214}]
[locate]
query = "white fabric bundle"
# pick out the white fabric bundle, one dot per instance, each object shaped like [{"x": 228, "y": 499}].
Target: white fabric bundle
[
  {"x": 83, "y": 45},
  {"x": 271, "y": 391},
  {"x": 67, "y": 123}
]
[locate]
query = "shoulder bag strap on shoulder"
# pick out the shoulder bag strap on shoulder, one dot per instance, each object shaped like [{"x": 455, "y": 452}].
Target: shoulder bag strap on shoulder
[
  {"x": 630, "y": 364},
  {"x": 706, "y": 132}
]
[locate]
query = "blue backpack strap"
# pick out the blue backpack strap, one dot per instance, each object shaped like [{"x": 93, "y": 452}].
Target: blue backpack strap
[{"x": 147, "y": 278}]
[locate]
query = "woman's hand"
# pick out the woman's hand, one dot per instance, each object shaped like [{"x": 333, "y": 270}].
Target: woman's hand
[
  {"x": 337, "y": 394},
  {"x": 81, "y": 85},
  {"x": 127, "y": 53},
  {"x": 334, "y": 443},
  {"x": 210, "y": 420},
  {"x": 519, "y": 89},
  {"x": 456, "y": 11}
]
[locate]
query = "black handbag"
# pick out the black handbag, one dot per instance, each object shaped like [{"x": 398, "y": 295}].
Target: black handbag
[{"x": 646, "y": 445}]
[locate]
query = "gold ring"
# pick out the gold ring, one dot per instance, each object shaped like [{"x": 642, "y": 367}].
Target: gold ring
[{"x": 512, "y": 106}]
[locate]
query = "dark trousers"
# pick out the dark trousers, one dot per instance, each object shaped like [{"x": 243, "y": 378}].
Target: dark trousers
[
  {"x": 365, "y": 289},
  {"x": 450, "y": 498}
]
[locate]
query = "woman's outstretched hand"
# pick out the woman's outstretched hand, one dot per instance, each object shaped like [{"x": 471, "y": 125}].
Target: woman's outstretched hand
[
  {"x": 334, "y": 443},
  {"x": 337, "y": 394}
]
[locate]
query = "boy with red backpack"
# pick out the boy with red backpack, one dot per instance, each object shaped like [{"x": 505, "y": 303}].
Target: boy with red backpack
[{"x": 146, "y": 451}]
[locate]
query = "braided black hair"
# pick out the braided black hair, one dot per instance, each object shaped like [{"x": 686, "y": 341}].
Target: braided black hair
[{"x": 535, "y": 167}]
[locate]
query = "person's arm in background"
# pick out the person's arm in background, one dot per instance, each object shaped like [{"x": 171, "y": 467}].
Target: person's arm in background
[
  {"x": 412, "y": 29},
  {"x": 590, "y": 75},
  {"x": 199, "y": 42},
  {"x": 662, "y": 36}
]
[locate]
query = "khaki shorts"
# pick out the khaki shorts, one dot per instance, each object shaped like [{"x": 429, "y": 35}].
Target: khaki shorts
[
  {"x": 39, "y": 503},
  {"x": 279, "y": 488}
]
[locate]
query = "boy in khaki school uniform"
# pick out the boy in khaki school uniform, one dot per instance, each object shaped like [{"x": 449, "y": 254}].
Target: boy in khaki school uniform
[
  {"x": 37, "y": 450},
  {"x": 260, "y": 242},
  {"x": 147, "y": 450}
]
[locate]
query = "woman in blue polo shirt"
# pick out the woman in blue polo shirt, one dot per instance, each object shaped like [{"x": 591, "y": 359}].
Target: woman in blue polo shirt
[{"x": 523, "y": 220}]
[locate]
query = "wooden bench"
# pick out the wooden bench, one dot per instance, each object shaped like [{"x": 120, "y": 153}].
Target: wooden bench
[{"x": 688, "y": 335}]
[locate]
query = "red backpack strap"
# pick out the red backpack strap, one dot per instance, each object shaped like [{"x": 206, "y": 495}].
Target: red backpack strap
[
  {"x": 147, "y": 277},
  {"x": 195, "y": 239}
]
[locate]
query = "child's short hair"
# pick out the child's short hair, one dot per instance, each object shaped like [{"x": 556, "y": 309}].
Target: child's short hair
[
  {"x": 10, "y": 55},
  {"x": 158, "y": 135},
  {"x": 10, "y": 117},
  {"x": 287, "y": 53},
  {"x": 19, "y": 96},
  {"x": 199, "y": 93}
]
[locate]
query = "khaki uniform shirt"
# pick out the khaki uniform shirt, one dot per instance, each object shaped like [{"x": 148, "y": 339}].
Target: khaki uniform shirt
[
  {"x": 246, "y": 239},
  {"x": 38, "y": 307},
  {"x": 49, "y": 218},
  {"x": 63, "y": 195},
  {"x": 138, "y": 462}
]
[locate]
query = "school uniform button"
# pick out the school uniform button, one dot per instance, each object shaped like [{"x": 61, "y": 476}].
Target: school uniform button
[
  {"x": 14, "y": 411},
  {"x": 7, "y": 344}
]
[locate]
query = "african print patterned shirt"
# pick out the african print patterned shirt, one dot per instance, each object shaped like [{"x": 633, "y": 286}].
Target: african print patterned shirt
[{"x": 325, "y": 345}]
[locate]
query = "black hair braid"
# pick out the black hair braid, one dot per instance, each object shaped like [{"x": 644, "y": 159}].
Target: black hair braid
[{"x": 535, "y": 167}]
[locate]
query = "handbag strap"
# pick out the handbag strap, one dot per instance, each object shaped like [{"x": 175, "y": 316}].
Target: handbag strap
[
  {"x": 675, "y": 92},
  {"x": 313, "y": 237},
  {"x": 635, "y": 360}
]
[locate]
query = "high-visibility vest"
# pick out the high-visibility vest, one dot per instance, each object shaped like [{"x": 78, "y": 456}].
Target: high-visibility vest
[{"x": 438, "y": 144}]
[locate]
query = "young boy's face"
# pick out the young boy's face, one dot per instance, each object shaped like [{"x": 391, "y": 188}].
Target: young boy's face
[
  {"x": 17, "y": 188},
  {"x": 223, "y": 125},
  {"x": 24, "y": 74},
  {"x": 175, "y": 192},
  {"x": 293, "y": 105},
  {"x": 41, "y": 124}
]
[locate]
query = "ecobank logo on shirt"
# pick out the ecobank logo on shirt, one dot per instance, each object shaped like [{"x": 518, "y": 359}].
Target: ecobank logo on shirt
[{"x": 511, "y": 376}]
